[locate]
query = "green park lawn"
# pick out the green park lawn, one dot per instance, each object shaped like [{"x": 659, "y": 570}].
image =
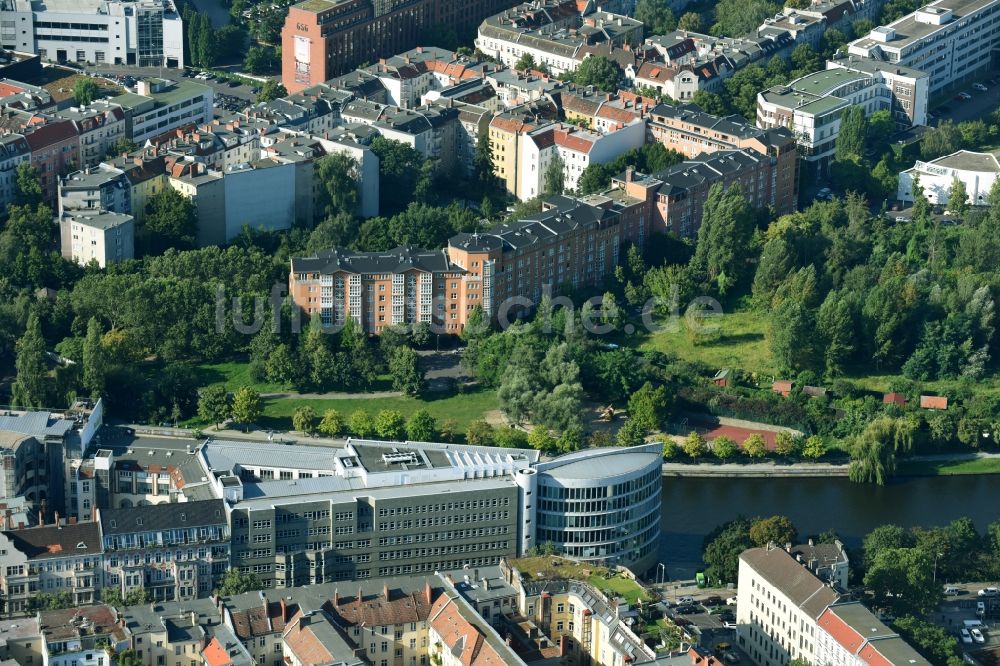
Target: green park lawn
[
  {"x": 232, "y": 375},
  {"x": 739, "y": 343},
  {"x": 463, "y": 408}
]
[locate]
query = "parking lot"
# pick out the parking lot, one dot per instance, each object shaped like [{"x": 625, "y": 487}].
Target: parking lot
[
  {"x": 706, "y": 617},
  {"x": 223, "y": 90},
  {"x": 979, "y": 105},
  {"x": 967, "y": 605}
]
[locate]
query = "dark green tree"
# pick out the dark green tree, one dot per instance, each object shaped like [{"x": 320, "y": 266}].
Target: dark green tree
[
  {"x": 95, "y": 360},
  {"x": 31, "y": 383},
  {"x": 214, "y": 405},
  {"x": 234, "y": 582},
  {"x": 84, "y": 91},
  {"x": 600, "y": 72},
  {"x": 421, "y": 427},
  {"x": 171, "y": 221},
  {"x": 404, "y": 366}
]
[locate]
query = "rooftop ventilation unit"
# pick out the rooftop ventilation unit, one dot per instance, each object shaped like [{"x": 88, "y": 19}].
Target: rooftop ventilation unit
[{"x": 401, "y": 458}]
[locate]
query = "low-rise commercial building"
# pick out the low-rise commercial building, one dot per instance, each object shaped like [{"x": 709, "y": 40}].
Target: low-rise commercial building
[
  {"x": 950, "y": 40},
  {"x": 976, "y": 171}
]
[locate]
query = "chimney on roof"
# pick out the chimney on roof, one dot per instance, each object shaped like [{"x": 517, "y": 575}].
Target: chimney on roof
[
  {"x": 41, "y": 518},
  {"x": 284, "y": 609},
  {"x": 336, "y": 598},
  {"x": 385, "y": 590},
  {"x": 811, "y": 543},
  {"x": 562, "y": 645},
  {"x": 72, "y": 520},
  {"x": 788, "y": 546},
  {"x": 58, "y": 522},
  {"x": 428, "y": 592},
  {"x": 360, "y": 596},
  {"x": 629, "y": 174}
]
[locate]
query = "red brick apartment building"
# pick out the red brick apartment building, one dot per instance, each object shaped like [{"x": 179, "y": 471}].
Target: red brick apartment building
[
  {"x": 693, "y": 133},
  {"x": 573, "y": 242},
  {"x": 322, "y": 39}
]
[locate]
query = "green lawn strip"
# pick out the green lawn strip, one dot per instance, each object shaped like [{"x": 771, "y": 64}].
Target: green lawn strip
[
  {"x": 232, "y": 375},
  {"x": 948, "y": 467},
  {"x": 463, "y": 408}
]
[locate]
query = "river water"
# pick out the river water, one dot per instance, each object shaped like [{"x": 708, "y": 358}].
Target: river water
[{"x": 694, "y": 507}]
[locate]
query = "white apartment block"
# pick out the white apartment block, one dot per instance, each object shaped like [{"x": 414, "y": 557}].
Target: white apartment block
[
  {"x": 951, "y": 40},
  {"x": 147, "y": 33},
  {"x": 576, "y": 148},
  {"x": 159, "y": 106},
  {"x": 97, "y": 235},
  {"x": 848, "y": 634},
  {"x": 778, "y": 603},
  {"x": 811, "y": 106}
]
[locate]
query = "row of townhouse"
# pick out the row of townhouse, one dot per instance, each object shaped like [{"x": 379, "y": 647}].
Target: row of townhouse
[
  {"x": 785, "y": 610},
  {"x": 57, "y": 141},
  {"x": 555, "y": 33},
  {"x": 485, "y": 616},
  {"x": 170, "y": 551}
]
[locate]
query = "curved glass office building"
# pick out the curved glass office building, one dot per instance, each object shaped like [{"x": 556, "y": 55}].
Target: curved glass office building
[{"x": 601, "y": 505}]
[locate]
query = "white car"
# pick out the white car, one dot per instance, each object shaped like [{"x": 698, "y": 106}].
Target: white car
[
  {"x": 977, "y": 635},
  {"x": 964, "y": 96},
  {"x": 980, "y": 87},
  {"x": 729, "y": 624},
  {"x": 966, "y": 636},
  {"x": 731, "y": 601},
  {"x": 989, "y": 592}
]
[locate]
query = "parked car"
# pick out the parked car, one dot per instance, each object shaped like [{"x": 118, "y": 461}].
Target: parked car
[
  {"x": 712, "y": 601},
  {"x": 977, "y": 635},
  {"x": 731, "y": 601},
  {"x": 964, "y": 96},
  {"x": 980, "y": 608},
  {"x": 965, "y": 636},
  {"x": 989, "y": 592},
  {"x": 950, "y": 590},
  {"x": 687, "y": 610},
  {"x": 685, "y": 600},
  {"x": 980, "y": 87},
  {"x": 729, "y": 624}
]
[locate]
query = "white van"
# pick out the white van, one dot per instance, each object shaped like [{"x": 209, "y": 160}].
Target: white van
[
  {"x": 951, "y": 591},
  {"x": 969, "y": 624}
]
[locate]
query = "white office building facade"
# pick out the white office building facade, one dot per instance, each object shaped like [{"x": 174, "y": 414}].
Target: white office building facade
[{"x": 147, "y": 33}]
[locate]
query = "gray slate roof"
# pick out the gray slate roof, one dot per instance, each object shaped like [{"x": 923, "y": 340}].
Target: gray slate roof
[
  {"x": 396, "y": 260},
  {"x": 796, "y": 582},
  {"x": 163, "y": 517}
]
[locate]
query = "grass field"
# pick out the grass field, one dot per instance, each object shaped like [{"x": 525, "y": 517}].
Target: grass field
[
  {"x": 463, "y": 408},
  {"x": 739, "y": 343},
  {"x": 949, "y": 468},
  {"x": 232, "y": 375}
]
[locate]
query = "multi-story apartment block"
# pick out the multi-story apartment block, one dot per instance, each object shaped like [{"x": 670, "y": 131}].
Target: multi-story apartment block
[
  {"x": 586, "y": 626},
  {"x": 849, "y": 634},
  {"x": 14, "y": 149},
  {"x": 677, "y": 195},
  {"x": 99, "y": 127},
  {"x": 171, "y": 632},
  {"x": 574, "y": 149},
  {"x": 146, "y": 33},
  {"x": 555, "y": 33},
  {"x": 811, "y": 106},
  {"x": 39, "y": 449},
  {"x": 159, "y": 106},
  {"x": 50, "y": 559},
  {"x": 100, "y": 188},
  {"x": 146, "y": 174},
  {"x": 410, "y": 75},
  {"x": 778, "y": 605},
  {"x": 950, "y": 40},
  {"x": 572, "y": 241},
  {"x": 173, "y": 551},
  {"x": 377, "y": 289},
  {"x": 827, "y": 561},
  {"x": 322, "y": 39},
  {"x": 55, "y": 147},
  {"x": 687, "y": 129},
  {"x": 97, "y": 235},
  {"x": 85, "y": 636},
  {"x": 506, "y": 132},
  {"x": 785, "y": 612},
  {"x": 258, "y": 621}
]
